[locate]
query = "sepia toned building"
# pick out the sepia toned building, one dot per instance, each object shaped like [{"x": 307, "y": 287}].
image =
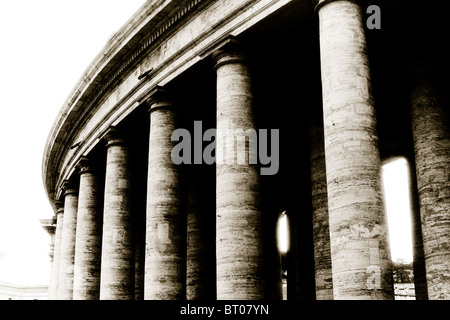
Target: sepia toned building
[
  {"x": 10, "y": 291},
  {"x": 340, "y": 86}
]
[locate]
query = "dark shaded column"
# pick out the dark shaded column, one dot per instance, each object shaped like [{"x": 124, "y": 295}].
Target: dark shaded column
[
  {"x": 65, "y": 290},
  {"x": 239, "y": 239},
  {"x": 201, "y": 258},
  {"x": 430, "y": 118},
  {"x": 139, "y": 280},
  {"x": 165, "y": 260},
  {"x": 117, "y": 264},
  {"x": 292, "y": 258},
  {"x": 362, "y": 267},
  {"x": 88, "y": 245},
  {"x": 321, "y": 232},
  {"x": 420, "y": 280},
  {"x": 272, "y": 255}
]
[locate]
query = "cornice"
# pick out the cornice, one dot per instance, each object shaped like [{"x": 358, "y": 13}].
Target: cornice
[
  {"x": 318, "y": 4},
  {"x": 152, "y": 22},
  {"x": 124, "y": 60}
]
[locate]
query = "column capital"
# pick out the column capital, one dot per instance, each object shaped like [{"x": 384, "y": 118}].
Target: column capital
[
  {"x": 67, "y": 187},
  {"x": 59, "y": 207},
  {"x": 84, "y": 165},
  {"x": 49, "y": 225},
  {"x": 318, "y": 4},
  {"x": 114, "y": 136},
  {"x": 230, "y": 51},
  {"x": 159, "y": 98}
]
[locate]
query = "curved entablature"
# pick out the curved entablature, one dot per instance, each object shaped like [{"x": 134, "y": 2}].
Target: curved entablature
[{"x": 161, "y": 41}]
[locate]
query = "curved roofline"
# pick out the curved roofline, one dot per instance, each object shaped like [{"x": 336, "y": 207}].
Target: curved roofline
[
  {"x": 91, "y": 84},
  {"x": 155, "y": 37}
]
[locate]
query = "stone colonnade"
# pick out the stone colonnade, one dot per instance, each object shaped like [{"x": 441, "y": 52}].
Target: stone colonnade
[
  {"x": 358, "y": 231},
  {"x": 94, "y": 255},
  {"x": 430, "y": 120}
]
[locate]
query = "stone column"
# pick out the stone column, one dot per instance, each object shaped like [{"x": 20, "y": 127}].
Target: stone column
[
  {"x": 358, "y": 231},
  {"x": 430, "y": 118},
  {"x": 195, "y": 245},
  {"x": 139, "y": 218},
  {"x": 86, "y": 280},
  {"x": 54, "y": 283},
  {"x": 201, "y": 262},
  {"x": 117, "y": 263},
  {"x": 273, "y": 284},
  {"x": 139, "y": 263},
  {"x": 239, "y": 236},
  {"x": 321, "y": 232},
  {"x": 65, "y": 290},
  {"x": 165, "y": 260},
  {"x": 420, "y": 279},
  {"x": 292, "y": 257}
]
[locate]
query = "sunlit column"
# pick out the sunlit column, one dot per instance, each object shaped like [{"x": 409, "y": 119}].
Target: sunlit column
[
  {"x": 54, "y": 282},
  {"x": 239, "y": 239},
  {"x": 430, "y": 118},
  {"x": 65, "y": 290},
  {"x": 358, "y": 231},
  {"x": 321, "y": 232},
  {"x": 165, "y": 261},
  {"x": 86, "y": 282},
  {"x": 117, "y": 263}
]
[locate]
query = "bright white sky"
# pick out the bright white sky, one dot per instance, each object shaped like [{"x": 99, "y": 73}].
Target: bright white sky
[
  {"x": 45, "y": 47},
  {"x": 398, "y": 206},
  {"x": 397, "y": 202}
]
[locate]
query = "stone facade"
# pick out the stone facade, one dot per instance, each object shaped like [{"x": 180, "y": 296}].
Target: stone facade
[{"x": 321, "y": 92}]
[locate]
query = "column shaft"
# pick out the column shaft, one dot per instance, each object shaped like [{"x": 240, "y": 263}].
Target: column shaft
[
  {"x": 55, "y": 270},
  {"x": 88, "y": 236},
  {"x": 139, "y": 263},
  {"x": 293, "y": 291},
  {"x": 201, "y": 262},
  {"x": 321, "y": 232},
  {"x": 239, "y": 220},
  {"x": 165, "y": 264},
  {"x": 358, "y": 232},
  {"x": 420, "y": 280},
  {"x": 431, "y": 134},
  {"x": 117, "y": 264},
  {"x": 195, "y": 247},
  {"x": 65, "y": 290}
]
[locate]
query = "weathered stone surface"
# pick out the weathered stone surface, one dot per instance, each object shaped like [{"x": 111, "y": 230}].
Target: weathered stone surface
[
  {"x": 117, "y": 264},
  {"x": 321, "y": 232},
  {"x": 86, "y": 282},
  {"x": 55, "y": 269},
  {"x": 432, "y": 145},
  {"x": 431, "y": 133},
  {"x": 420, "y": 280},
  {"x": 139, "y": 263},
  {"x": 239, "y": 218},
  {"x": 358, "y": 232},
  {"x": 65, "y": 290},
  {"x": 165, "y": 265},
  {"x": 200, "y": 253}
]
